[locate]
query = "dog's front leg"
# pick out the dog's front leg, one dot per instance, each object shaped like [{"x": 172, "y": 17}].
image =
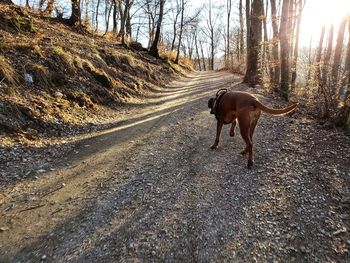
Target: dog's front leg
[
  {"x": 232, "y": 130},
  {"x": 218, "y": 132}
]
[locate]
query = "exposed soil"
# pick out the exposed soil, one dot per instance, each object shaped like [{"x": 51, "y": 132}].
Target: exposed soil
[{"x": 148, "y": 189}]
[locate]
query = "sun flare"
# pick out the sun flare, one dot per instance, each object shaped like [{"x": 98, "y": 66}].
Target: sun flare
[{"x": 318, "y": 13}]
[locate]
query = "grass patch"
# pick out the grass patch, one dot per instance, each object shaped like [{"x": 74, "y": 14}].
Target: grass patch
[
  {"x": 41, "y": 74},
  {"x": 8, "y": 74}
]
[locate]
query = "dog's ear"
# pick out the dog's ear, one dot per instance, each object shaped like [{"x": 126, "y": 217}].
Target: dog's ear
[{"x": 211, "y": 103}]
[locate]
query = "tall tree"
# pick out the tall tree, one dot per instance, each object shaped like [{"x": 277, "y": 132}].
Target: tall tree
[
  {"x": 338, "y": 52},
  {"x": 181, "y": 30},
  {"x": 123, "y": 18},
  {"x": 266, "y": 47},
  {"x": 275, "y": 45},
  {"x": 177, "y": 11},
  {"x": 247, "y": 19},
  {"x": 284, "y": 50},
  {"x": 241, "y": 31},
  {"x": 154, "y": 48},
  {"x": 228, "y": 7},
  {"x": 75, "y": 18},
  {"x": 296, "y": 44},
  {"x": 252, "y": 75}
]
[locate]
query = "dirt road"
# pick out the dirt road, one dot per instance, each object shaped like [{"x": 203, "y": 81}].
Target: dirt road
[{"x": 150, "y": 190}]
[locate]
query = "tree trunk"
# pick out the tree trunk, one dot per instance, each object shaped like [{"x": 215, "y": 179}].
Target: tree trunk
[
  {"x": 309, "y": 67},
  {"x": 275, "y": 41},
  {"x": 229, "y": 6},
  {"x": 115, "y": 16},
  {"x": 180, "y": 33},
  {"x": 266, "y": 47},
  {"x": 108, "y": 14},
  {"x": 252, "y": 76},
  {"x": 241, "y": 32},
  {"x": 96, "y": 17},
  {"x": 75, "y": 18},
  {"x": 344, "y": 91},
  {"x": 337, "y": 54},
  {"x": 203, "y": 58},
  {"x": 284, "y": 41},
  {"x": 345, "y": 87},
  {"x": 174, "y": 27},
  {"x": 49, "y": 8},
  {"x": 128, "y": 26},
  {"x": 296, "y": 45},
  {"x": 197, "y": 51},
  {"x": 247, "y": 20},
  {"x": 123, "y": 17},
  {"x": 327, "y": 57},
  {"x": 154, "y": 48}
]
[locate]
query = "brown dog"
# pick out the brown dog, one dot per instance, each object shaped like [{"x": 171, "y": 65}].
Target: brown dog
[{"x": 229, "y": 106}]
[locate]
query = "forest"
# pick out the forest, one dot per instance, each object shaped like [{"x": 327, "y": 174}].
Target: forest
[
  {"x": 260, "y": 39},
  {"x": 108, "y": 114}
]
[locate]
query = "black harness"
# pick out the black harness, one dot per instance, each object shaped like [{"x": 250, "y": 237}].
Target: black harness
[{"x": 219, "y": 94}]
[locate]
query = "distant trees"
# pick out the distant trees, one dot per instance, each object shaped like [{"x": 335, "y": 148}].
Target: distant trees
[{"x": 257, "y": 37}]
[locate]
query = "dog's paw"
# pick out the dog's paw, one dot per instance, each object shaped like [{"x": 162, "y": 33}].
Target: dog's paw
[
  {"x": 213, "y": 147},
  {"x": 243, "y": 152},
  {"x": 250, "y": 164}
]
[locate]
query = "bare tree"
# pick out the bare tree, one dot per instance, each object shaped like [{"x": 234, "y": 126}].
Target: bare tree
[
  {"x": 252, "y": 76},
  {"x": 247, "y": 19},
  {"x": 284, "y": 41},
  {"x": 227, "y": 55},
  {"x": 75, "y": 18},
  {"x": 296, "y": 44},
  {"x": 181, "y": 30},
  {"x": 241, "y": 32},
  {"x": 338, "y": 52},
  {"x": 275, "y": 45},
  {"x": 154, "y": 48}
]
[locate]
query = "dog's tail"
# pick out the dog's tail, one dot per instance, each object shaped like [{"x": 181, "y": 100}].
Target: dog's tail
[{"x": 275, "y": 111}]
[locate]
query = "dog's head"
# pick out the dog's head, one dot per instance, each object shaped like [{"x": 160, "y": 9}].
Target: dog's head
[{"x": 211, "y": 102}]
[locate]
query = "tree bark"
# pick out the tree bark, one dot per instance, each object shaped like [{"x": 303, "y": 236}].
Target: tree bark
[
  {"x": 49, "y": 8},
  {"x": 296, "y": 45},
  {"x": 124, "y": 14},
  {"x": 266, "y": 47},
  {"x": 75, "y": 18},
  {"x": 229, "y": 6},
  {"x": 181, "y": 30},
  {"x": 247, "y": 19},
  {"x": 284, "y": 41},
  {"x": 203, "y": 58},
  {"x": 275, "y": 43},
  {"x": 337, "y": 54},
  {"x": 178, "y": 11},
  {"x": 197, "y": 51},
  {"x": 96, "y": 17},
  {"x": 252, "y": 76},
  {"x": 154, "y": 48},
  {"x": 241, "y": 32},
  {"x": 115, "y": 16}
]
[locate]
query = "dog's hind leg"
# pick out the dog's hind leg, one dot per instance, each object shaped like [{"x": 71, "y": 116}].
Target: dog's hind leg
[
  {"x": 232, "y": 130},
  {"x": 244, "y": 126},
  {"x": 253, "y": 124},
  {"x": 218, "y": 132}
]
